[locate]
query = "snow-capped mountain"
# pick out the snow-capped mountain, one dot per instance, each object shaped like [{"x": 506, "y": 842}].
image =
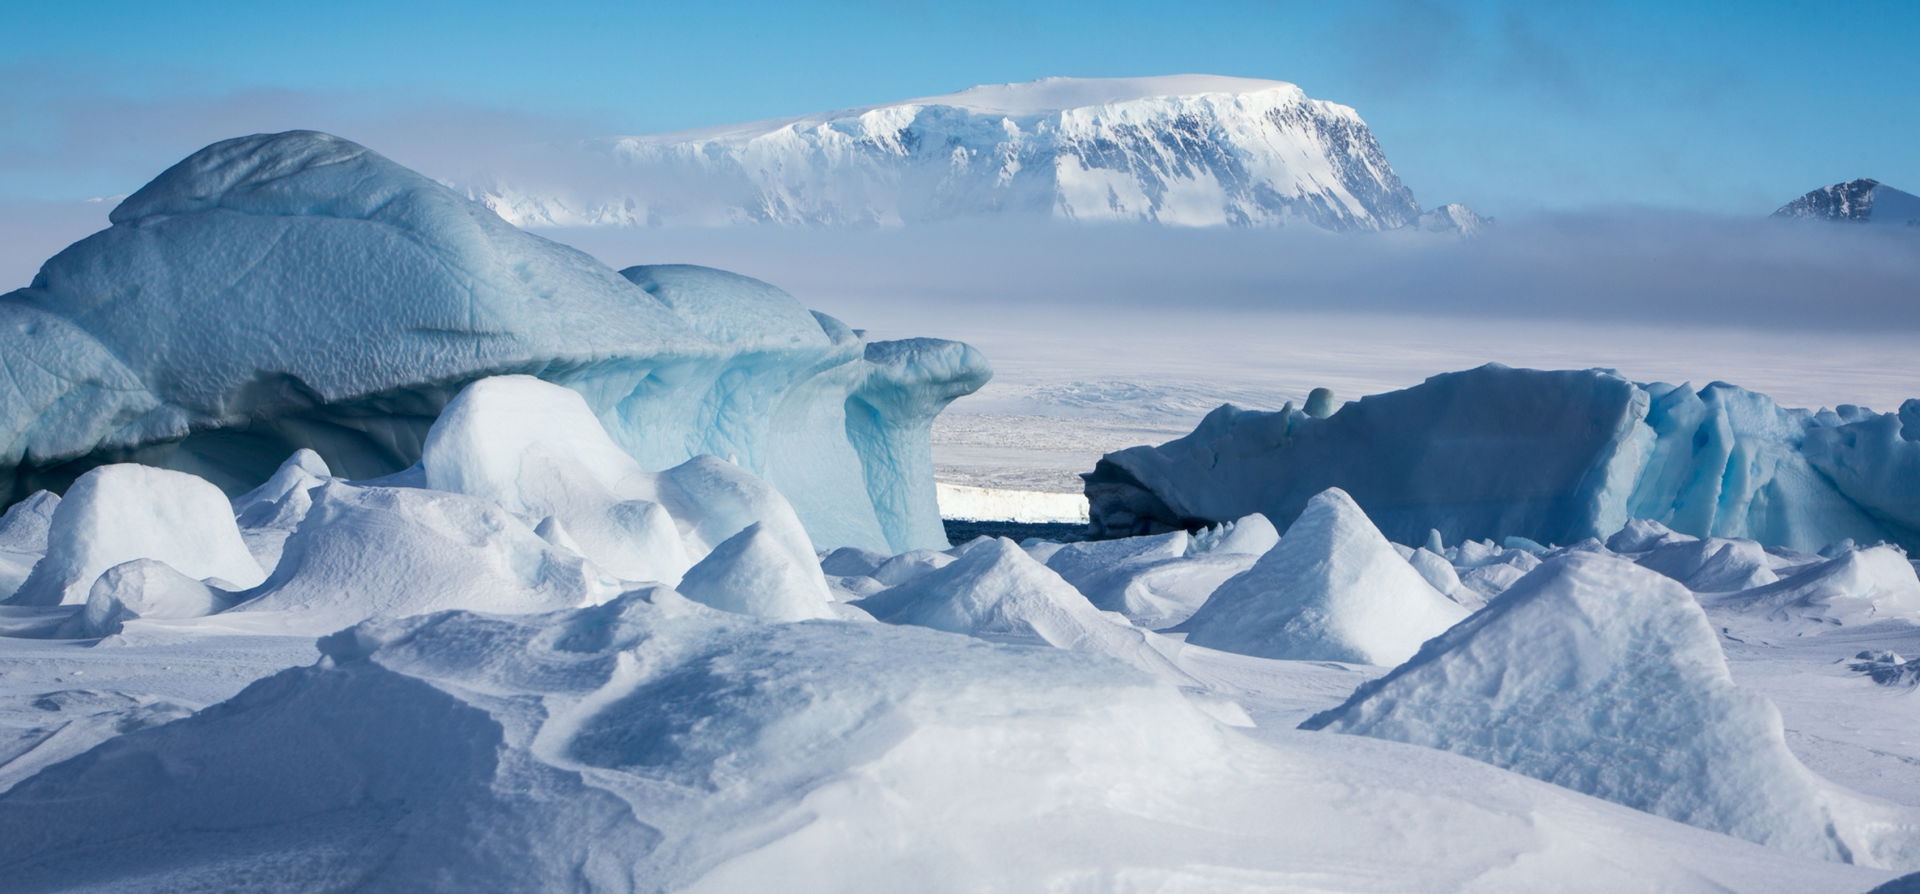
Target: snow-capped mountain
[
  {"x": 1185, "y": 150},
  {"x": 1859, "y": 201}
]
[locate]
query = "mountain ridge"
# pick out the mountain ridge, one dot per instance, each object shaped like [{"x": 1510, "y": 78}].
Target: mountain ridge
[
  {"x": 1861, "y": 200},
  {"x": 1179, "y": 150}
]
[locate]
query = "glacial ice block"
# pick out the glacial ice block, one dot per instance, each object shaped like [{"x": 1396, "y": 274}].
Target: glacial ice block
[
  {"x": 1555, "y": 457},
  {"x": 292, "y": 290}
]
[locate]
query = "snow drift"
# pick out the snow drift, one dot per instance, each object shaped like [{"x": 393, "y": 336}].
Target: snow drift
[
  {"x": 1554, "y": 457},
  {"x": 1604, "y": 677},
  {"x": 294, "y": 290}
]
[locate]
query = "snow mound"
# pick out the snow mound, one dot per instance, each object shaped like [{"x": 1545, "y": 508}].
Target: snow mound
[
  {"x": 123, "y": 512},
  {"x": 1712, "y": 565},
  {"x": 214, "y": 328},
  {"x": 23, "y": 539},
  {"x": 368, "y": 552},
  {"x": 1607, "y": 678},
  {"x": 145, "y": 588},
  {"x": 997, "y": 592},
  {"x": 910, "y": 565},
  {"x": 1640, "y": 535},
  {"x": 1859, "y": 586},
  {"x": 1333, "y": 589},
  {"x": 753, "y": 573},
  {"x": 852, "y": 561},
  {"x": 1555, "y": 457}
]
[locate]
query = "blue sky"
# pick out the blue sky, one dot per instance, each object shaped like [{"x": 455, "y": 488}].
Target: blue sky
[{"x": 1720, "y": 107}]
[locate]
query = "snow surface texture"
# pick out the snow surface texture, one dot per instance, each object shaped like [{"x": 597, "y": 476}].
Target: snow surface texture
[
  {"x": 650, "y": 743},
  {"x": 242, "y": 306},
  {"x": 1856, "y": 201},
  {"x": 1598, "y": 675},
  {"x": 1332, "y": 589},
  {"x": 1554, "y": 457},
  {"x": 549, "y": 725},
  {"x": 1184, "y": 150}
]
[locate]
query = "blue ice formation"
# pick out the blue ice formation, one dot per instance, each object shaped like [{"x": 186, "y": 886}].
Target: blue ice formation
[
  {"x": 293, "y": 290},
  {"x": 1552, "y": 456}
]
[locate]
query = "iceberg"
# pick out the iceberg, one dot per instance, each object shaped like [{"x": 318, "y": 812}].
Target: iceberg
[
  {"x": 296, "y": 290},
  {"x": 1554, "y": 457}
]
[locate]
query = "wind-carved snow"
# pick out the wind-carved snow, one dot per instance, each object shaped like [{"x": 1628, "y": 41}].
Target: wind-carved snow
[
  {"x": 243, "y": 305},
  {"x": 1604, "y": 677},
  {"x": 1184, "y": 150}
]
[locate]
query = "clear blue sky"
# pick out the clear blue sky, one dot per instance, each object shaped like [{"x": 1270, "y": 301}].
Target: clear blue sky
[{"x": 1724, "y": 107}]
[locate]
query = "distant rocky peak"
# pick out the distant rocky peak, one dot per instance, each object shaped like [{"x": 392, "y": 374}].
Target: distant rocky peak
[{"x": 1859, "y": 201}]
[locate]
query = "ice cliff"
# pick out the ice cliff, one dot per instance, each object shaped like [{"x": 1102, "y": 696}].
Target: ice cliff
[
  {"x": 1553, "y": 457},
  {"x": 294, "y": 290}
]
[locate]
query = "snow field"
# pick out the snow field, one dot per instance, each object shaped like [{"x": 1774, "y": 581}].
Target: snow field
[{"x": 771, "y": 735}]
